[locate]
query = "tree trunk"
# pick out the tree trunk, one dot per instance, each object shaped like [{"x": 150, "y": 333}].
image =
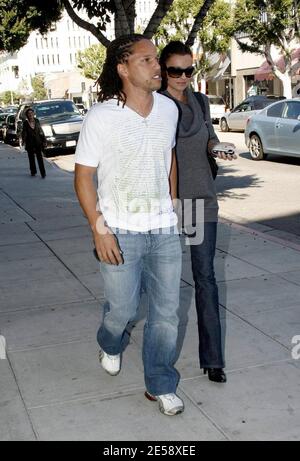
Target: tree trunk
[
  {"x": 121, "y": 23},
  {"x": 158, "y": 15},
  {"x": 287, "y": 84},
  {"x": 129, "y": 6},
  {"x": 198, "y": 21},
  {"x": 286, "y": 76},
  {"x": 203, "y": 85}
]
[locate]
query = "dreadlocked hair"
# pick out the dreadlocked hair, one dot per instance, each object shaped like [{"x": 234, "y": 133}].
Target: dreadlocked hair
[{"x": 117, "y": 53}]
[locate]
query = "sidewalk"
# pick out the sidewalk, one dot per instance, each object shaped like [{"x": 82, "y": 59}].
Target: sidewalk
[{"x": 51, "y": 296}]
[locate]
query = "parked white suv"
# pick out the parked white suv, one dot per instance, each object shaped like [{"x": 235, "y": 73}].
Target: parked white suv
[{"x": 217, "y": 107}]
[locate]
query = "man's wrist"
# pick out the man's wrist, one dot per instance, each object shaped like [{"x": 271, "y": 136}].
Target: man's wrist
[{"x": 100, "y": 226}]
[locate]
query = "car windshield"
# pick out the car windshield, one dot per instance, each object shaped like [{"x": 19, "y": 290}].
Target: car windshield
[
  {"x": 216, "y": 100},
  {"x": 55, "y": 108},
  {"x": 11, "y": 110}
]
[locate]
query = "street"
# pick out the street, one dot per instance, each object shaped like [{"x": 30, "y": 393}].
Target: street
[{"x": 265, "y": 192}]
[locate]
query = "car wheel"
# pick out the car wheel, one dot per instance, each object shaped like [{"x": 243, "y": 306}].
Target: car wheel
[
  {"x": 256, "y": 148},
  {"x": 224, "y": 125}
]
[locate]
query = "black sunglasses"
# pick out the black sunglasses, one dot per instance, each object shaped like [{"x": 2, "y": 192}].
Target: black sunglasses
[{"x": 176, "y": 72}]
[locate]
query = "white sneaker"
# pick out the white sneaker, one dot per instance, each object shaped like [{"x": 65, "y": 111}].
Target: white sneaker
[
  {"x": 110, "y": 363},
  {"x": 169, "y": 404}
]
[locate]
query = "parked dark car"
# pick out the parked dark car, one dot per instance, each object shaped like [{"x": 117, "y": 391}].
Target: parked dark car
[
  {"x": 236, "y": 120},
  {"x": 9, "y": 130},
  {"x": 60, "y": 119}
]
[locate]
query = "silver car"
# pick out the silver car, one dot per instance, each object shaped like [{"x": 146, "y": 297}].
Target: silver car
[
  {"x": 275, "y": 130},
  {"x": 236, "y": 120}
]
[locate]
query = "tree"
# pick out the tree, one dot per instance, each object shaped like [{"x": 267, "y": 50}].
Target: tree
[
  {"x": 19, "y": 17},
  {"x": 270, "y": 24},
  {"x": 38, "y": 86},
  {"x": 91, "y": 61},
  {"x": 213, "y": 37},
  {"x": 9, "y": 97}
]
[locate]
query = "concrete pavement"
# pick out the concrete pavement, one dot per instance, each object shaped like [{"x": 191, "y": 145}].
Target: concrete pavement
[{"x": 51, "y": 297}]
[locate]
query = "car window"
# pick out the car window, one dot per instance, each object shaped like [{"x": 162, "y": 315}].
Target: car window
[
  {"x": 276, "y": 110},
  {"x": 245, "y": 107},
  {"x": 236, "y": 109},
  {"x": 218, "y": 101},
  {"x": 262, "y": 103},
  {"x": 242, "y": 107},
  {"x": 292, "y": 110}
]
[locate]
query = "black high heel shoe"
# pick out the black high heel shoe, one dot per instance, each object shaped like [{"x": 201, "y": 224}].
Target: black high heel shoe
[{"x": 216, "y": 374}]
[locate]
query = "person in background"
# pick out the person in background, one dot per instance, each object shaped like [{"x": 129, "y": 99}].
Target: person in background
[
  {"x": 34, "y": 140},
  {"x": 196, "y": 136}
]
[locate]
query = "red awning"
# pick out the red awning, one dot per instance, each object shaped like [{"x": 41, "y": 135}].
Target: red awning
[{"x": 265, "y": 71}]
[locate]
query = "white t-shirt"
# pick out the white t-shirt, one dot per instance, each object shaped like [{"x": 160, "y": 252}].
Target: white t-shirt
[{"x": 133, "y": 159}]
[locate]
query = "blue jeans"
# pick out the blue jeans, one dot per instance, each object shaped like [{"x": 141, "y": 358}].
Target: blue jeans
[
  {"x": 154, "y": 261},
  {"x": 207, "y": 299}
]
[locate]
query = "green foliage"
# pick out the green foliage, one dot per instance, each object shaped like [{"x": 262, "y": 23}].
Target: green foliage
[
  {"x": 38, "y": 85},
  {"x": 215, "y": 32},
  {"x": 265, "y": 23},
  {"x": 91, "y": 61},
  {"x": 99, "y": 9},
  {"x": 176, "y": 24},
  {"x": 18, "y": 18},
  {"x": 214, "y": 36},
  {"x": 7, "y": 97}
]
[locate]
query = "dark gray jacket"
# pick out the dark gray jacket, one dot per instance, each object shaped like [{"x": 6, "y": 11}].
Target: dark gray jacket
[{"x": 195, "y": 179}]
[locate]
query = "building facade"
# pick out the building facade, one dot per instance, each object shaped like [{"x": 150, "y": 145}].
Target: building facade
[{"x": 54, "y": 56}]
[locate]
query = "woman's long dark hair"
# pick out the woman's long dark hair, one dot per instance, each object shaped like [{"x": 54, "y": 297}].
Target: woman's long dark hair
[
  {"x": 118, "y": 51},
  {"x": 169, "y": 50}
]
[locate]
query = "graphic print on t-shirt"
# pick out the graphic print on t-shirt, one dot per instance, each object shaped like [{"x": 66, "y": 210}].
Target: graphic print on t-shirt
[{"x": 141, "y": 180}]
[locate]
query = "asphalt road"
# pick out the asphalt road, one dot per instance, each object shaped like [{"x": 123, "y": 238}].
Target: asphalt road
[{"x": 265, "y": 192}]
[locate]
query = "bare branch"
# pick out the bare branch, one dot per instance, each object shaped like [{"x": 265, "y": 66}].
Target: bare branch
[{"x": 84, "y": 24}]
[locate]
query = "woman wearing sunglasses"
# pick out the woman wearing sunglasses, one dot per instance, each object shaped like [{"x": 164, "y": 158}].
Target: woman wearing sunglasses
[{"x": 195, "y": 181}]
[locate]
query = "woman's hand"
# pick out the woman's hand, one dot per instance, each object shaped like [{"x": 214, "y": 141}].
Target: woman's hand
[
  {"x": 223, "y": 156},
  {"x": 220, "y": 154}
]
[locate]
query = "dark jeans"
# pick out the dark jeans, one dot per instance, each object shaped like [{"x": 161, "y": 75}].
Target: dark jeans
[
  {"x": 207, "y": 299},
  {"x": 31, "y": 156}
]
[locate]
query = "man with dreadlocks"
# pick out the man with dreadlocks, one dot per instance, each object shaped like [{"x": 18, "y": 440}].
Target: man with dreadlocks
[{"x": 128, "y": 139}]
